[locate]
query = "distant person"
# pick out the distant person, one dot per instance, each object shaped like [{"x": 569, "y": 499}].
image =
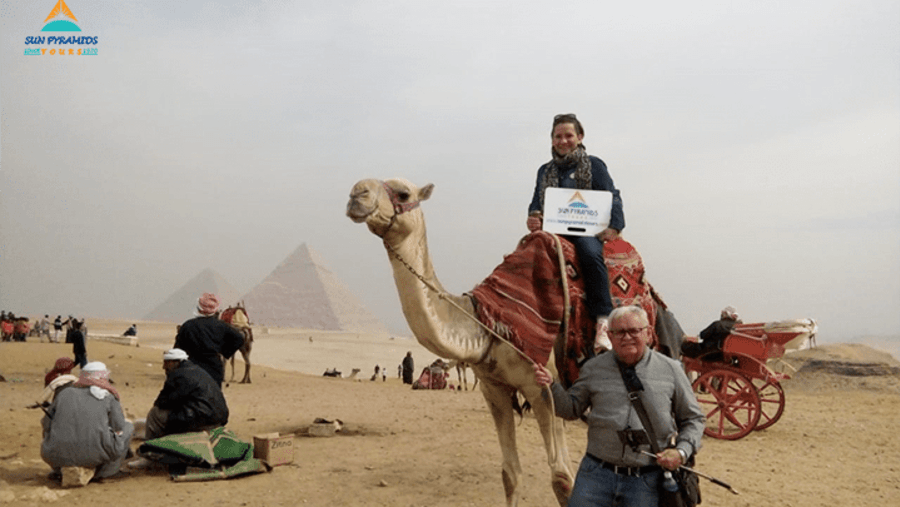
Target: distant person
[
  {"x": 8, "y": 327},
  {"x": 131, "y": 331},
  {"x": 712, "y": 338},
  {"x": 45, "y": 328},
  {"x": 190, "y": 399},
  {"x": 377, "y": 373},
  {"x": 408, "y": 366},
  {"x": 85, "y": 426},
  {"x": 57, "y": 327},
  {"x": 67, "y": 325},
  {"x": 76, "y": 337},
  {"x": 207, "y": 340},
  {"x": 21, "y": 329}
]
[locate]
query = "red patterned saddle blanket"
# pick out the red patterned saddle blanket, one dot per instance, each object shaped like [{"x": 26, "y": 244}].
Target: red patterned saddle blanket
[{"x": 523, "y": 301}]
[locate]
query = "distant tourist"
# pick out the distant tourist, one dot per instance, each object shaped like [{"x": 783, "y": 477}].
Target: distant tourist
[
  {"x": 131, "y": 331},
  {"x": 76, "y": 337},
  {"x": 408, "y": 367},
  {"x": 57, "y": 327},
  {"x": 45, "y": 328},
  {"x": 205, "y": 338}
]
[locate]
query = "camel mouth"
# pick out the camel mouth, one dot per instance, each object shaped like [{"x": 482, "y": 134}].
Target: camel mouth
[{"x": 357, "y": 212}]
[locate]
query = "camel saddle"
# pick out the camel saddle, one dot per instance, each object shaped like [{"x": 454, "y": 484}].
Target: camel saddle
[{"x": 523, "y": 300}]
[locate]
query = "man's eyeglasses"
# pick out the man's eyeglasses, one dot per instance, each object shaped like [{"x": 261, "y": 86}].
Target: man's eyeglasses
[
  {"x": 619, "y": 333},
  {"x": 567, "y": 116}
]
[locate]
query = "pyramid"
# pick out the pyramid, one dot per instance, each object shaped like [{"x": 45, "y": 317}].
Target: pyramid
[
  {"x": 301, "y": 292},
  {"x": 180, "y": 306}
]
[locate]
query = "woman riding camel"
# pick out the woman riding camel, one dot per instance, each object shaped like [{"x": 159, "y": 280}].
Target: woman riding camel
[{"x": 571, "y": 167}]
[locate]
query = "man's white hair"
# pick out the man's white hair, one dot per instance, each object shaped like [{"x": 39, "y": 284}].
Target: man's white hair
[{"x": 623, "y": 311}]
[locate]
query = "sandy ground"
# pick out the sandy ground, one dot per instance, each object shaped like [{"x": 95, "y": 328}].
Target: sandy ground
[{"x": 835, "y": 445}]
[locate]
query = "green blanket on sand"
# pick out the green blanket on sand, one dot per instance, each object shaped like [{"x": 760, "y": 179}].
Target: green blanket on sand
[{"x": 201, "y": 456}]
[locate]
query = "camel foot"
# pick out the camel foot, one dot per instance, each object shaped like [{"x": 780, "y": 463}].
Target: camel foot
[{"x": 562, "y": 488}]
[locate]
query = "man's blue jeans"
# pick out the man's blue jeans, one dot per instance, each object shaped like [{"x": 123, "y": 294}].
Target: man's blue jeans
[
  {"x": 596, "y": 486},
  {"x": 596, "y": 278}
]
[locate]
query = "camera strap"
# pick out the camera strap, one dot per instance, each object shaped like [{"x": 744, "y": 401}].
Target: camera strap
[{"x": 634, "y": 386}]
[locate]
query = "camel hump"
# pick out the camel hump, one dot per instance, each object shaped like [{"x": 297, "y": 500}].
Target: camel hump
[{"x": 236, "y": 316}]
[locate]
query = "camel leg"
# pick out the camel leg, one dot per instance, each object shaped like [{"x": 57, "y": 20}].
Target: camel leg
[
  {"x": 245, "y": 353},
  {"x": 246, "y": 356},
  {"x": 498, "y": 401},
  {"x": 553, "y": 432}
]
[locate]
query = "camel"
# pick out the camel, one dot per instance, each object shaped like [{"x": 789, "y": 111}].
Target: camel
[
  {"x": 445, "y": 325},
  {"x": 237, "y": 317},
  {"x": 461, "y": 374}
]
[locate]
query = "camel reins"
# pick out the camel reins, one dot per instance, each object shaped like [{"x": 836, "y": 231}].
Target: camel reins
[{"x": 399, "y": 209}]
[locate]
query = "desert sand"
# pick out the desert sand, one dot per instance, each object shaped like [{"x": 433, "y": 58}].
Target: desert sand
[{"x": 835, "y": 445}]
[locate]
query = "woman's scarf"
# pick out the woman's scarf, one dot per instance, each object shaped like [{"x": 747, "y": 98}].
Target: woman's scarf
[
  {"x": 558, "y": 164},
  {"x": 98, "y": 382}
]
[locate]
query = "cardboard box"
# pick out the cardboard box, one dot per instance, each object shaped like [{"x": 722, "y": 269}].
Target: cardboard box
[{"x": 274, "y": 449}]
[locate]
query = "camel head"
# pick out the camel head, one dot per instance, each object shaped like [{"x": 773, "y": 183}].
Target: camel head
[{"x": 388, "y": 207}]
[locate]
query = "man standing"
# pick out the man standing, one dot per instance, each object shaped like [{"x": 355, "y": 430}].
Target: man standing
[
  {"x": 408, "y": 366},
  {"x": 205, "y": 338},
  {"x": 190, "y": 399},
  {"x": 75, "y": 336},
  {"x": 614, "y": 469},
  {"x": 44, "y": 329}
]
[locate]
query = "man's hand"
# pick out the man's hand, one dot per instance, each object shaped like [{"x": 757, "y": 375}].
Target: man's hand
[
  {"x": 534, "y": 222},
  {"x": 542, "y": 375},
  {"x": 608, "y": 234},
  {"x": 670, "y": 459}
]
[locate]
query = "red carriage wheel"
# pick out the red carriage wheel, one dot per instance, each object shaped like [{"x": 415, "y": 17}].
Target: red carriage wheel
[
  {"x": 730, "y": 402},
  {"x": 771, "y": 400}
]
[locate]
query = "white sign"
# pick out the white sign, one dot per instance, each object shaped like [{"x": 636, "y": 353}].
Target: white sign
[{"x": 576, "y": 212}]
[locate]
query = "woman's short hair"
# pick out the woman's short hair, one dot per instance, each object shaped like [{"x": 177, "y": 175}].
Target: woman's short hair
[{"x": 567, "y": 118}]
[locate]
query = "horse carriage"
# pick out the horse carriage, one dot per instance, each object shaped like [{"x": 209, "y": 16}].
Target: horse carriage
[{"x": 736, "y": 388}]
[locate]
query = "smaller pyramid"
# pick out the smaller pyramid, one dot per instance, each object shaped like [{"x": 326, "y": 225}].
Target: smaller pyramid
[
  {"x": 180, "y": 306},
  {"x": 302, "y": 293}
]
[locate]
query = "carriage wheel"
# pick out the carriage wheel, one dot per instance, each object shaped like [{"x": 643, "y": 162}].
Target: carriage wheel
[
  {"x": 771, "y": 400},
  {"x": 730, "y": 402}
]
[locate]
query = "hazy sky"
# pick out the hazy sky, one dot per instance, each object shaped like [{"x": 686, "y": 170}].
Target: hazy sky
[{"x": 756, "y": 146}]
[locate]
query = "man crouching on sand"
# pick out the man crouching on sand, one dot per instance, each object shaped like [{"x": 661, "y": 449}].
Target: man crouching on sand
[{"x": 190, "y": 401}]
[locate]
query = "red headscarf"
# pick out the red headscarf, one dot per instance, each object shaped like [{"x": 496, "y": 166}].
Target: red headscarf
[
  {"x": 208, "y": 304},
  {"x": 63, "y": 366}
]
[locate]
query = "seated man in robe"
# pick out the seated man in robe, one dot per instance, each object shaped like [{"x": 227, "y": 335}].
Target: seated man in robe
[{"x": 712, "y": 339}]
